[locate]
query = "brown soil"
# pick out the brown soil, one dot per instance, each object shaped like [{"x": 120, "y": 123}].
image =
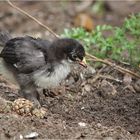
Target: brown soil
[{"x": 92, "y": 108}]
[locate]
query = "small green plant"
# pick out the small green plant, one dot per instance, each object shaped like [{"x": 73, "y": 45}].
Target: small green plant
[
  {"x": 132, "y": 25},
  {"x": 118, "y": 43}
]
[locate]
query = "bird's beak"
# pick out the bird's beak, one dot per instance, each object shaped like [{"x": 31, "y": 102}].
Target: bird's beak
[{"x": 83, "y": 63}]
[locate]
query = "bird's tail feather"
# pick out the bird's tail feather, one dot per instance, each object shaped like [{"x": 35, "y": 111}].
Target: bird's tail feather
[
  {"x": 6, "y": 71},
  {"x": 4, "y": 37}
]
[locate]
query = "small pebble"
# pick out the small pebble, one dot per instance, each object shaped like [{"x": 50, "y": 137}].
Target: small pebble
[
  {"x": 87, "y": 88},
  {"x": 82, "y": 124},
  {"x": 82, "y": 108},
  {"x": 99, "y": 125},
  {"x": 32, "y": 135},
  {"x": 21, "y": 137}
]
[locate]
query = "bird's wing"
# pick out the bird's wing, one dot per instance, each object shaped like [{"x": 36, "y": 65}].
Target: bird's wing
[{"x": 26, "y": 54}]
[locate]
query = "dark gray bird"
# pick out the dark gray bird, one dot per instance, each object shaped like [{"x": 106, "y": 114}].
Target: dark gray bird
[{"x": 39, "y": 63}]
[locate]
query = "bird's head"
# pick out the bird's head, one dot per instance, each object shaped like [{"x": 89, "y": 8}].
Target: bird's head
[{"x": 71, "y": 49}]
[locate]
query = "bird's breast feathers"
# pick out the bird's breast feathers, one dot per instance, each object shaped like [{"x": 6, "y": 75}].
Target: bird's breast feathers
[{"x": 45, "y": 79}]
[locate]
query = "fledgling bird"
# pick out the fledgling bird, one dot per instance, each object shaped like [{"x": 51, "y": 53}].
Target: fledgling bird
[{"x": 40, "y": 63}]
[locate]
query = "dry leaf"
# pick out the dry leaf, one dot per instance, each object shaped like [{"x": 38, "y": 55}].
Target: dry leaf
[
  {"x": 127, "y": 79},
  {"x": 84, "y": 20}
]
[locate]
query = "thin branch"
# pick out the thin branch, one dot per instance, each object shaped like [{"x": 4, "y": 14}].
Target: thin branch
[
  {"x": 25, "y": 13},
  {"x": 119, "y": 68},
  {"x": 94, "y": 58}
]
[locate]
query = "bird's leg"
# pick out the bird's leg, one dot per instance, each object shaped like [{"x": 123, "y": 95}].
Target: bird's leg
[
  {"x": 31, "y": 106},
  {"x": 28, "y": 90},
  {"x": 49, "y": 93},
  {"x": 54, "y": 92},
  {"x": 30, "y": 93}
]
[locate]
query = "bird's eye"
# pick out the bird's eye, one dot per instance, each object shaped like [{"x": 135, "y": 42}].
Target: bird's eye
[{"x": 74, "y": 56}]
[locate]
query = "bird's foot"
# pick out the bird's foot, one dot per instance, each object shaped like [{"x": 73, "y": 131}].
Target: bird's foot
[
  {"x": 27, "y": 108},
  {"x": 54, "y": 92},
  {"x": 49, "y": 93}
]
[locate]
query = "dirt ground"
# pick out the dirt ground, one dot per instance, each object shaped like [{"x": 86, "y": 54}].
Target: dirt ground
[{"x": 95, "y": 105}]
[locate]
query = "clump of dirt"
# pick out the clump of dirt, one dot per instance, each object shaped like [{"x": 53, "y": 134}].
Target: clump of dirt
[{"x": 102, "y": 109}]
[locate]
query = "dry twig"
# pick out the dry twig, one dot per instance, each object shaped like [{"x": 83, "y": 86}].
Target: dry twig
[
  {"x": 119, "y": 68},
  {"x": 94, "y": 58},
  {"x": 33, "y": 18}
]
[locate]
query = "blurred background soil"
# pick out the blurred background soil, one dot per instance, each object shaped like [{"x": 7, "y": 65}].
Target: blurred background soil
[
  {"x": 105, "y": 109},
  {"x": 64, "y": 14}
]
